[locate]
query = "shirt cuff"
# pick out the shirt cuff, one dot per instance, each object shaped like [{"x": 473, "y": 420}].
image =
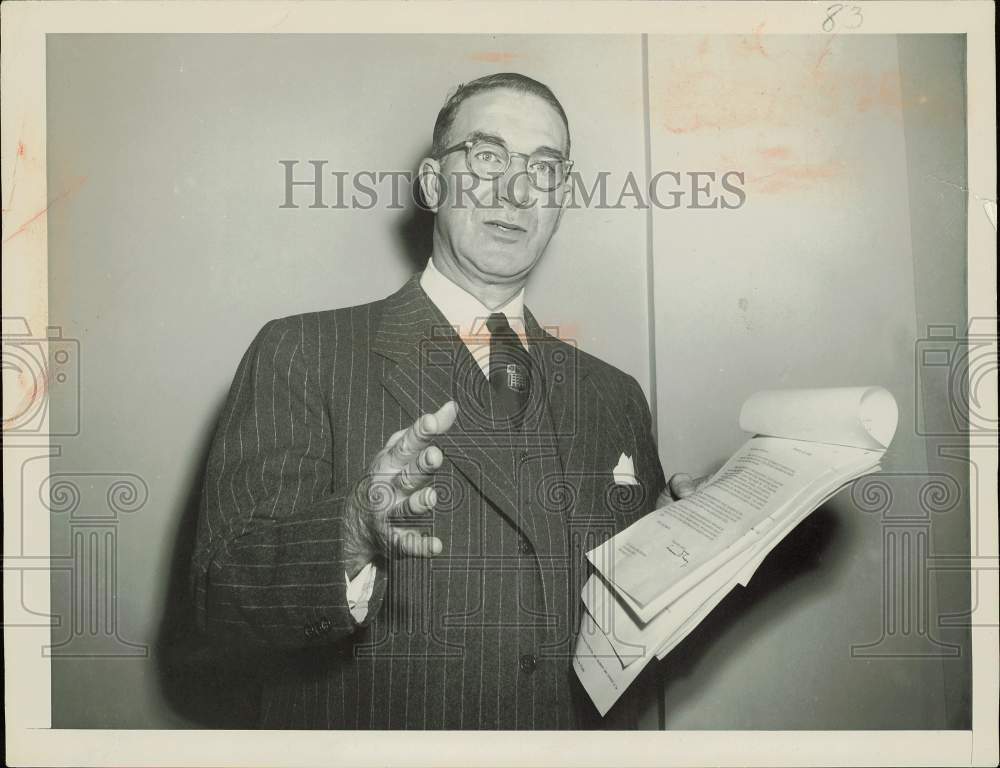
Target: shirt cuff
[{"x": 359, "y": 591}]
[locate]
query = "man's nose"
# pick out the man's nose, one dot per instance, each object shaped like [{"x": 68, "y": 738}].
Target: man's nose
[{"x": 514, "y": 185}]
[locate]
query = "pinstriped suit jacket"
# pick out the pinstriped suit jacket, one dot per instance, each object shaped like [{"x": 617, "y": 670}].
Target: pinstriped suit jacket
[{"x": 480, "y": 636}]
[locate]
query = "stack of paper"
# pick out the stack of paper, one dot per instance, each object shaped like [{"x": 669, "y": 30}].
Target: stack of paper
[{"x": 656, "y": 580}]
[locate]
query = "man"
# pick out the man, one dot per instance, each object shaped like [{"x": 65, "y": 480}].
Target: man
[{"x": 399, "y": 494}]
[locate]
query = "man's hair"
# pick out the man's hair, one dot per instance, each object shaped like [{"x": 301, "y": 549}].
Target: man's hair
[{"x": 510, "y": 81}]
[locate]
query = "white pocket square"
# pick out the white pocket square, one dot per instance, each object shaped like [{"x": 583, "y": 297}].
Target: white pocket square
[{"x": 624, "y": 471}]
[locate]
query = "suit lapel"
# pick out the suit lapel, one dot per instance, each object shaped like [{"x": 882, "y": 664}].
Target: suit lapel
[
  {"x": 582, "y": 417},
  {"x": 429, "y": 365},
  {"x": 584, "y": 426},
  {"x": 562, "y": 374}
]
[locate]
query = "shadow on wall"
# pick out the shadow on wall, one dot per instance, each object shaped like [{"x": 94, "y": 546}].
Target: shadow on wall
[
  {"x": 800, "y": 553},
  {"x": 415, "y": 235},
  {"x": 201, "y": 681},
  {"x": 415, "y": 230}
]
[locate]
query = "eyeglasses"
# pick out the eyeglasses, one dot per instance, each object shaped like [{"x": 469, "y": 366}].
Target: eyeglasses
[{"x": 490, "y": 160}]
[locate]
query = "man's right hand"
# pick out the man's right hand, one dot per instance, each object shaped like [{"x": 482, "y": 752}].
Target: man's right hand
[{"x": 395, "y": 490}]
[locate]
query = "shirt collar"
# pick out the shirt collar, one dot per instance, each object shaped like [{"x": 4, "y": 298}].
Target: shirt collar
[{"x": 464, "y": 310}]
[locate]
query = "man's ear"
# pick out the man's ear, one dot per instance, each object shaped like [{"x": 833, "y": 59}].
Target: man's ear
[{"x": 432, "y": 183}]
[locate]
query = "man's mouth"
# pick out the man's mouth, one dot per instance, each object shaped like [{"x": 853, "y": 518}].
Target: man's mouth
[{"x": 504, "y": 226}]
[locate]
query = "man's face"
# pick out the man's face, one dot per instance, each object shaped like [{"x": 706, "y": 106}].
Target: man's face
[{"x": 496, "y": 232}]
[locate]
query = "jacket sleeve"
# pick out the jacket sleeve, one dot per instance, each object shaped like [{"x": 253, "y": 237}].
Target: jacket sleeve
[{"x": 268, "y": 565}]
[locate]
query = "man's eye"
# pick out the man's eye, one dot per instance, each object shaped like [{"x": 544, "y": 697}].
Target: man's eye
[
  {"x": 488, "y": 157},
  {"x": 543, "y": 168}
]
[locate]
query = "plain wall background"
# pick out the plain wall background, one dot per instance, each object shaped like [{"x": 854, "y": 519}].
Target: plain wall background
[
  {"x": 170, "y": 251},
  {"x": 846, "y": 250}
]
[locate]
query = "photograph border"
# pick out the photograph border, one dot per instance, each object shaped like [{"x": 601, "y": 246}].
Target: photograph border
[{"x": 31, "y": 740}]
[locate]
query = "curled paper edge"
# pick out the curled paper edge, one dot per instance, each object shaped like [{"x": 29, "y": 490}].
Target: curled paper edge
[{"x": 859, "y": 417}]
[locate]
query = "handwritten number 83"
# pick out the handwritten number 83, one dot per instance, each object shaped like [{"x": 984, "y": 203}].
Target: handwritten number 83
[{"x": 853, "y": 20}]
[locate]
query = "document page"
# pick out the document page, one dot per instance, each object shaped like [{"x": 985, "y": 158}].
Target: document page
[
  {"x": 859, "y": 417},
  {"x": 659, "y": 578},
  {"x": 746, "y": 565},
  {"x": 663, "y": 554},
  {"x": 598, "y": 668},
  {"x": 632, "y": 639}
]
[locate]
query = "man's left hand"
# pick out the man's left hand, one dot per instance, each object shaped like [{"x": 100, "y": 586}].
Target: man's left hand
[{"x": 680, "y": 486}]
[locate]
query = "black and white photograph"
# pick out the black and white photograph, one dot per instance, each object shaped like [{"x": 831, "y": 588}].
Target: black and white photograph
[{"x": 604, "y": 372}]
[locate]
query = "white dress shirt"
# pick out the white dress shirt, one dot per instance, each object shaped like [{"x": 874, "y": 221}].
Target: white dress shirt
[{"x": 467, "y": 315}]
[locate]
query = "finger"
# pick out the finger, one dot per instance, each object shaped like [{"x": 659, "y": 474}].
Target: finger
[
  {"x": 446, "y": 416},
  {"x": 415, "y": 505},
  {"x": 681, "y": 485},
  {"x": 408, "y": 542},
  {"x": 420, "y": 434},
  {"x": 701, "y": 482},
  {"x": 663, "y": 499},
  {"x": 413, "y": 441},
  {"x": 419, "y": 472},
  {"x": 442, "y": 419},
  {"x": 394, "y": 437}
]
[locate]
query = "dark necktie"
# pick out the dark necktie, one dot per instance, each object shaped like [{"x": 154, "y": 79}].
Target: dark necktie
[{"x": 510, "y": 371}]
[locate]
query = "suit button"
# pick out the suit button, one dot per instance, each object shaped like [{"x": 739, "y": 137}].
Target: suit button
[
  {"x": 524, "y": 546},
  {"x": 524, "y": 455},
  {"x": 528, "y": 663}
]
